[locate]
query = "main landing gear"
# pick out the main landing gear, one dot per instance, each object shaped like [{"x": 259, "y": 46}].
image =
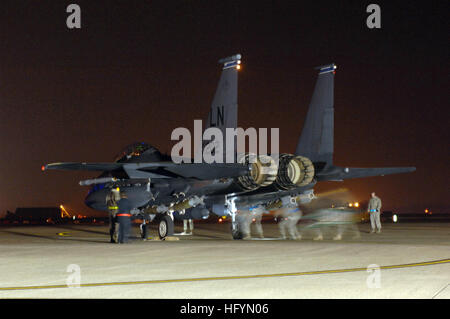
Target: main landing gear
[
  {"x": 165, "y": 226},
  {"x": 236, "y": 222}
]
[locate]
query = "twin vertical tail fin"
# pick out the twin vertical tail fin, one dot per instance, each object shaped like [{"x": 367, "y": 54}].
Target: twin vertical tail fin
[
  {"x": 223, "y": 111},
  {"x": 224, "y": 108},
  {"x": 317, "y": 138}
]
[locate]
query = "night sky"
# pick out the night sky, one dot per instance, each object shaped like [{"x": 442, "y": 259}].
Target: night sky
[{"x": 138, "y": 69}]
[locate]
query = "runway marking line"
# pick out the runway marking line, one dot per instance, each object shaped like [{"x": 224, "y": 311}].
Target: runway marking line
[{"x": 163, "y": 281}]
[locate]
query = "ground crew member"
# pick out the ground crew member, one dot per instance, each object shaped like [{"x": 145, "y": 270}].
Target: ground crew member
[
  {"x": 374, "y": 209},
  {"x": 144, "y": 229},
  {"x": 124, "y": 219},
  {"x": 244, "y": 218},
  {"x": 346, "y": 221},
  {"x": 256, "y": 215},
  {"x": 247, "y": 216},
  {"x": 290, "y": 218},
  {"x": 111, "y": 202},
  {"x": 185, "y": 226},
  {"x": 290, "y": 214}
]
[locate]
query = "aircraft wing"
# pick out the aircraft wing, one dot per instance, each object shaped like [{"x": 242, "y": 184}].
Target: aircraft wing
[
  {"x": 202, "y": 171},
  {"x": 336, "y": 173},
  {"x": 76, "y": 166}
]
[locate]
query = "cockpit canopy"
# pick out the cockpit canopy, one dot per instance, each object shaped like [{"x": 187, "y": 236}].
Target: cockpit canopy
[{"x": 136, "y": 150}]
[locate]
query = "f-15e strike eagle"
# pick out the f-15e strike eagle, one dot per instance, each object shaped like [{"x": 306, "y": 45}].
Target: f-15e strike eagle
[{"x": 160, "y": 189}]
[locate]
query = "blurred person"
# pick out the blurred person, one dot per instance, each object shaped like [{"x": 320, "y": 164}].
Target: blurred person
[
  {"x": 187, "y": 222},
  {"x": 346, "y": 221},
  {"x": 327, "y": 219},
  {"x": 290, "y": 215},
  {"x": 319, "y": 235},
  {"x": 244, "y": 219},
  {"x": 247, "y": 216},
  {"x": 144, "y": 229},
  {"x": 256, "y": 215}
]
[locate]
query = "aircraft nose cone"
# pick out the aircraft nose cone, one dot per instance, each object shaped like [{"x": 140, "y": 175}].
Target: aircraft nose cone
[
  {"x": 88, "y": 201},
  {"x": 92, "y": 201}
]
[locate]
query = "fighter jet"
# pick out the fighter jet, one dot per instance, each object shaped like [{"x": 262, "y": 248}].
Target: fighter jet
[{"x": 161, "y": 189}]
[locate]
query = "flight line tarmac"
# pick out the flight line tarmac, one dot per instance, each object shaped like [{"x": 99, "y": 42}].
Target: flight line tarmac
[{"x": 410, "y": 260}]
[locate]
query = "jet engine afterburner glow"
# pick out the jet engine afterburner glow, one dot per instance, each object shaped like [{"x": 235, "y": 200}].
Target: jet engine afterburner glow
[
  {"x": 294, "y": 171},
  {"x": 263, "y": 171}
]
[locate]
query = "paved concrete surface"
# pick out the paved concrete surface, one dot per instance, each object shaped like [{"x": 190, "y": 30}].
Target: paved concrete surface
[{"x": 211, "y": 265}]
